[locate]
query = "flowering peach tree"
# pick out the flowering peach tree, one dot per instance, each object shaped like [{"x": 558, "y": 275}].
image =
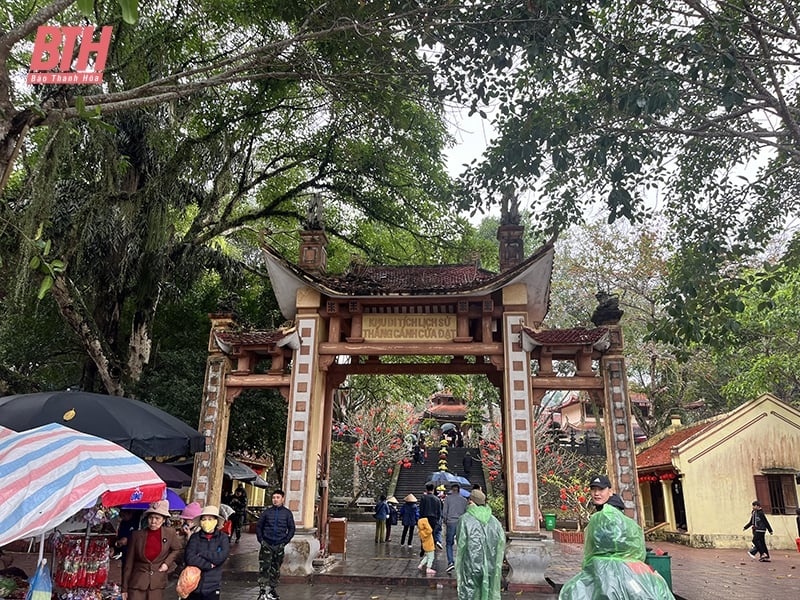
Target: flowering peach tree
[
  {"x": 564, "y": 482},
  {"x": 379, "y": 446}
]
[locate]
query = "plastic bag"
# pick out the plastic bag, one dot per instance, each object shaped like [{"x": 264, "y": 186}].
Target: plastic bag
[
  {"x": 227, "y": 527},
  {"x": 41, "y": 586},
  {"x": 613, "y": 563},
  {"x": 188, "y": 581}
]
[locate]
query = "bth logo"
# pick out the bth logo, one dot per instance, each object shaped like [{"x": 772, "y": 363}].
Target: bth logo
[{"x": 55, "y": 50}]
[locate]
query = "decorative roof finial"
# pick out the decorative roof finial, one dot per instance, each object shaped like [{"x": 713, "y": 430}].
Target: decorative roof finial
[
  {"x": 509, "y": 206},
  {"x": 314, "y": 220}
]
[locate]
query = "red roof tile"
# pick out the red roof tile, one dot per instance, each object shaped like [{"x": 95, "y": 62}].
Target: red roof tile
[
  {"x": 363, "y": 280},
  {"x": 564, "y": 337},
  {"x": 447, "y": 409},
  {"x": 660, "y": 453}
]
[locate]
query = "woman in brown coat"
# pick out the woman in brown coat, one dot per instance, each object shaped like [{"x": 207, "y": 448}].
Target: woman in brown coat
[{"x": 151, "y": 556}]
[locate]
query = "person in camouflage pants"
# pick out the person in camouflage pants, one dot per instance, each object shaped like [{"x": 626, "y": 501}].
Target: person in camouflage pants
[{"x": 274, "y": 530}]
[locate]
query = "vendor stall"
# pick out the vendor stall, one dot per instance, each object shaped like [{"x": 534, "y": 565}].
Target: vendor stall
[{"x": 50, "y": 474}]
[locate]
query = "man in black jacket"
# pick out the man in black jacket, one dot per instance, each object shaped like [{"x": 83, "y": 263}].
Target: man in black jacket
[
  {"x": 758, "y": 521},
  {"x": 274, "y": 530},
  {"x": 430, "y": 507}
]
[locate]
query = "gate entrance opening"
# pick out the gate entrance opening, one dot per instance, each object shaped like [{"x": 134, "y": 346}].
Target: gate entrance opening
[{"x": 483, "y": 322}]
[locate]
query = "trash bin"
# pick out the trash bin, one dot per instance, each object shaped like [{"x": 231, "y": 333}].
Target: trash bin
[
  {"x": 337, "y": 537},
  {"x": 550, "y": 522},
  {"x": 661, "y": 565}
]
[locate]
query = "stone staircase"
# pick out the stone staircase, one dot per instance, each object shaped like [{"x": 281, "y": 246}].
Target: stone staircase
[{"x": 412, "y": 481}]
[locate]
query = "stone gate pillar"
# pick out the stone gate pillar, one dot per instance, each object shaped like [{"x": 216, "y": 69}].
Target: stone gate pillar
[
  {"x": 215, "y": 414},
  {"x": 305, "y": 423},
  {"x": 528, "y": 553},
  {"x": 617, "y": 413}
]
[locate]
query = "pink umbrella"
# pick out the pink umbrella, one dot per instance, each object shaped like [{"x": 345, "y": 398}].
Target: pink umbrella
[{"x": 51, "y": 472}]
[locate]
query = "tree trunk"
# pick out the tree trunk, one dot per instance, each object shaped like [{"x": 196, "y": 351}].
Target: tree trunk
[
  {"x": 75, "y": 314},
  {"x": 141, "y": 343}
]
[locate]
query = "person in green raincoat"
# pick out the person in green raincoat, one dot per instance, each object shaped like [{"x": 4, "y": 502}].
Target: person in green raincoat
[
  {"x": 613, "y": 563},
  {"x": 480, "y": 547}
]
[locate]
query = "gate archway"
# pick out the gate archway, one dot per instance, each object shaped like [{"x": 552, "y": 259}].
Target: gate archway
[{"x": 486, "y": 323}]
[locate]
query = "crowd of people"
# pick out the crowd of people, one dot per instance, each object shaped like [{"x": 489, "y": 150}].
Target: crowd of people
[
  {"x": 474, "y": 545},
  {"x": 151, "y": 548},
  {"x": 474, "y": 540}
]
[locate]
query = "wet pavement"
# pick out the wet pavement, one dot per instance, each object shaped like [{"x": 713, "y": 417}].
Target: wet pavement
[{"x": 389, "y": 572}]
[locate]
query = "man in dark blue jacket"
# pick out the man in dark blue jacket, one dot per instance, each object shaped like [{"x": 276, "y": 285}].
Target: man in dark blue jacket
[{"x": 274, "y": 530}]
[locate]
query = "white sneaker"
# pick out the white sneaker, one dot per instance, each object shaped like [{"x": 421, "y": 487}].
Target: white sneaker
[{"x": 421, "y": 566}]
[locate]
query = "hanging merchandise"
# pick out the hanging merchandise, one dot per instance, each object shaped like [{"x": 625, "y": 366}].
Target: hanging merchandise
[{"x": 81, "y": 564}]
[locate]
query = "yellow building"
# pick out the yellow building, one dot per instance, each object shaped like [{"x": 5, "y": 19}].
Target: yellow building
[{"x": 698, "y": 482}]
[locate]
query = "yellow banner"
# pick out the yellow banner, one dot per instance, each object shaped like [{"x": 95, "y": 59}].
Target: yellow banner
[{"x": 408, "y": 328}]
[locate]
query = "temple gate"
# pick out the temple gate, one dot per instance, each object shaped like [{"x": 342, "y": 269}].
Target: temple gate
[{"x": 487, "y": 323}]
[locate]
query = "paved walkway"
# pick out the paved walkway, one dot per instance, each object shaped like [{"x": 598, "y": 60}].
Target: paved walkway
[{"x": 388, "y": 572}]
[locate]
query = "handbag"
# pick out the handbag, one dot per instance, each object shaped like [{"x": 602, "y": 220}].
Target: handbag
[{"x": 188, "y": 581}]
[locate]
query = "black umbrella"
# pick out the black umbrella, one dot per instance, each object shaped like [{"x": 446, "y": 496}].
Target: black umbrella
[
  {"x": 170, "y": 474},
  {"x": 141, "y": 428}
]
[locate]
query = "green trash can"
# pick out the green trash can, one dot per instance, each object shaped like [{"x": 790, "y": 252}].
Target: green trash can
[
  {"x": 550, "y": 522},
  {"x": 661, "y": 565}
]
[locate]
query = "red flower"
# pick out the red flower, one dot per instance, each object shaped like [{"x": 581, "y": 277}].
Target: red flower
[
  {"x": 390, "y": 470},
  {"x": 563, "y": 507}
]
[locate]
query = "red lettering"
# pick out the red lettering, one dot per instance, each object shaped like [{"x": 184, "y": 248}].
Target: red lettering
[
  {"x": 71, "y": 35},
  {"x": 56, "y": 47},
  {"x": 48, "y": 40},
  {"x": 100, "y": 48}
]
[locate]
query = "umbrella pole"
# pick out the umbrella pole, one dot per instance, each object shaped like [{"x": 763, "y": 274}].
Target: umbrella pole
[{"x": 41, "y": 549}]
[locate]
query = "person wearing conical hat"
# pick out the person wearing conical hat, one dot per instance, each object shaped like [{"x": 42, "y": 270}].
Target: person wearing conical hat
[
  {"x": 152, "y": 556},
  {"x": 207, "y": 550},
  {"x": 409, "y": 515}
]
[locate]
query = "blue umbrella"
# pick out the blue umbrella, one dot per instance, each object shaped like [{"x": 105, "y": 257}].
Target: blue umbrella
[
  {"x": 465, "y": 493},
  {"x": 462, "y": 481},
  {"x": 448, "y": 427},
  {"x": 175, "y": 503},
  {"x": 442, "y": 477}
]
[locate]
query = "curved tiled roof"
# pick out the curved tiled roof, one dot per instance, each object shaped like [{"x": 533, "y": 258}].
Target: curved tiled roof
[
  {"x": 566, "y": 337},
  {"x": 660, "y": 453},
  {"x": 252, "y": 338},
  {"x": 366, "y": 280}
]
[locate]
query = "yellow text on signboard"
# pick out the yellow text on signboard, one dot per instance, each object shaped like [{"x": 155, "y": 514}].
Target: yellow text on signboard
[{"x": 409, "y": 328}]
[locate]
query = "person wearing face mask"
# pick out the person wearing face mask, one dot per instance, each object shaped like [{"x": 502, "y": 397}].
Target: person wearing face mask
[{"x": 207, "y": 550}]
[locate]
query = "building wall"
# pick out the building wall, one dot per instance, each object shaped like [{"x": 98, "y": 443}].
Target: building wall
[{"x": 718, "y": 468}]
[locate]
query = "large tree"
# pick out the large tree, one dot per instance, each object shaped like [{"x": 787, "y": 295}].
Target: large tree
[
  {"x": 137, "y": 201},
  {"x": 690, "y": 106}
]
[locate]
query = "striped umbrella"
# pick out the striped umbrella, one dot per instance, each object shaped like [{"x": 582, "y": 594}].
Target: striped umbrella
[{"x": 51, "y": 472}]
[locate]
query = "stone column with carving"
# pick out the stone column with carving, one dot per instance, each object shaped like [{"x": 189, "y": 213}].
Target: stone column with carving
[
  {"x": 617, "y": 413},
  {"x": 209, "y": 465}
]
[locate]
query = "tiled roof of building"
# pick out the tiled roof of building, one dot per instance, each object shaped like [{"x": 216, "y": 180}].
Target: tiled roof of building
[
  {"x": 368, "y": 280},
  {"x": 660, "y": 453},
  {"x": 566, "y": 337},
  {"x": 252, "y": 338},
  {"x": 442, "y": 410}
]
